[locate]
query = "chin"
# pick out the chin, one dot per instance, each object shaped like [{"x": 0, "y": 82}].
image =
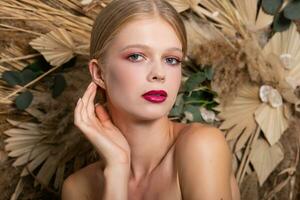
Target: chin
[{"x": 153, "y": 112}]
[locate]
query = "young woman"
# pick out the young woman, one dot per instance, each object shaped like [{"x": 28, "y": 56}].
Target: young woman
[{"x": 137, "y": 47}]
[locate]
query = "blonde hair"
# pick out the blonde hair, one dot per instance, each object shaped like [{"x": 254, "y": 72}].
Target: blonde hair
[{"x": 119, "y": 12}]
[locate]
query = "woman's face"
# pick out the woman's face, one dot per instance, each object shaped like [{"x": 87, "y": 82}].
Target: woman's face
[{"x": 145, "y": 55}]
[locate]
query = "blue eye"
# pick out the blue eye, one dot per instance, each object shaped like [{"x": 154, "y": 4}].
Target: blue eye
[
  {"x": 177, "y": 62},
  {"x": 134, "y": 56},
  {"x": 172, "y": 61}
]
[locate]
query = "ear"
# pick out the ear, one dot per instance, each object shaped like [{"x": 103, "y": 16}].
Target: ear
[{"x": 97, "y": 73}]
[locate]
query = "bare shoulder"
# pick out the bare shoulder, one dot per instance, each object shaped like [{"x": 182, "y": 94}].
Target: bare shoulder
[
  {"x": 85, "y": 183},
  {"x": 200, "y": 134},
  {"x": 202, "y": 141},
  {"x": 204, "y": 160}
]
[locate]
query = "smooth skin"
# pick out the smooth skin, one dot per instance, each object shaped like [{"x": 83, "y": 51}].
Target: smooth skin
[{"x": 144, "y": 154}]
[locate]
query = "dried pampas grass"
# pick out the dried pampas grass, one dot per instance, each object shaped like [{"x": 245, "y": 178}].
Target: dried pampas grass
[{"x": 227, "y": 63}]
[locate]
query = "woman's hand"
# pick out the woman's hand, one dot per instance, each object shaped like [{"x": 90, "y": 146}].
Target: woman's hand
[{"x": 95, "y": 123}]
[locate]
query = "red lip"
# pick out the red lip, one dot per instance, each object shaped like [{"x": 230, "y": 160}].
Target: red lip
[
  {"x": 155, "y": 96},
  {"x": 156, "y": 92}
]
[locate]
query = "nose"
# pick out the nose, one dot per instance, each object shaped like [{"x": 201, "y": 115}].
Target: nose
[{"x": 157, "y": 73}]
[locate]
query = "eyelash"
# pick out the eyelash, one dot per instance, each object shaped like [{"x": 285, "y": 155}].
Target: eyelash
[{"x": 177, "y": 60}]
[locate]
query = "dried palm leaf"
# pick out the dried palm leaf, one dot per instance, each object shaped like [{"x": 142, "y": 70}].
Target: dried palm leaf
[
  {"x": 18, "y": 190},
  {"x": 279, "y": 79},
  {"x": 199, "y": 33},
  {"x": 272, "y": 122},
  {"x": 248, "y": 9},
  {"x": 8, "y": 56},
  {"x": 57, "y": 46},
  {"x": 183, "y": 5},
  {"x": 265, "y": 158},
  {"x": 239, "y": 115},
  {"x": 286, "y": 45},
  {"x": 50, "y": 148}
]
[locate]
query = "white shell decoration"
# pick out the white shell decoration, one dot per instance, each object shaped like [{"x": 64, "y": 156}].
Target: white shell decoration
[
  {"x": 270, "y": 95},
  {"x": 287, "y": 60},
  {"x": 275, "y": 98},
  {"x": 208, "y": 115},
  {"x": 264, "y": 93}
]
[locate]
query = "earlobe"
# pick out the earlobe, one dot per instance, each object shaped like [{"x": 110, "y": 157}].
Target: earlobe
[{"x": 96, "y": 73}]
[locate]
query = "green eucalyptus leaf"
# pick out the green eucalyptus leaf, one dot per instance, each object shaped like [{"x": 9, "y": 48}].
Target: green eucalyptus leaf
[
  {"x": 12, "y": 77},
  {"x": 209, "y": 72},
  {"x": 271, "y": 6},
  {"x": 27, "y": 76},
  {"x": 211, "y": 105},
  {"x": 176, "y": 111},
  {"x": 59, "y": 85},
  {"x": 292, "y": 10},
  {"x": 194, "y": 96},
  {"x": 194, "y": 80},
  {"x": 194, "y": 110},
  {"x": 178, "y": 106},
  {"x": 281, "y": 23},
  {"x": 39, "y": 65},
  {"x": 23, "y": 100},
  {"x": 70, "y": 63}
]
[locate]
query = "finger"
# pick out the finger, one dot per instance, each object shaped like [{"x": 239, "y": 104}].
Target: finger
[
  {"x": 90, "y": 103},
  {"x": 103, "y": 115},
  {"x": 85, "y": 125},
  {"x": 77, "y": 112},
  {"x": 84, "y": 101}
]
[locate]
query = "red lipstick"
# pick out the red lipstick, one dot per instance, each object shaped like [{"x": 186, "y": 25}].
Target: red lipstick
[{"x": 155, "y": 96}]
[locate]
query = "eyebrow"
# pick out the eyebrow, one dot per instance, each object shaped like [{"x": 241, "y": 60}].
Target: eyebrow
[{"x": 147, "y": 47}]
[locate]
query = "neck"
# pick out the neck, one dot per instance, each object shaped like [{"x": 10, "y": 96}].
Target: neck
[{"x": 149, "y": 142}]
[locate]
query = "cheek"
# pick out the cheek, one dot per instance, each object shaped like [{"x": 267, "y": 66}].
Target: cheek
[
  {"x": 175, "y": 78},
  {"x": 122, "y": 80}
]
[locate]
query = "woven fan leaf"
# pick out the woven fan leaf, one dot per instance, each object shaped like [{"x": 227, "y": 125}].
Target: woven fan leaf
[
  {"x": 35, "y": 162},
  {"x": 24, "y": 125},
  {"x": 27, "y": 157},
  {"x": 272, "y": 122},
  {"x": 16, "y": 132},
  {"x": 57, "y": 46},
  {"x": 240, "y": 113},
  {"x": 48, "y": 169},
  {"x": 265, "y": 158}
]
